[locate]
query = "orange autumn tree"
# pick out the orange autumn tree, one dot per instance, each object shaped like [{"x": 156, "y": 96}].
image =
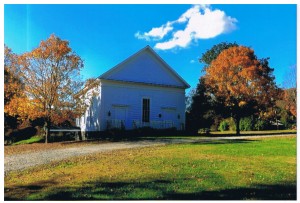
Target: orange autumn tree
[
  {"x": 12, "y": 83},
  {"x": 16, "y": 103},
  {"x": 13, "y": 89},
  {"x": 290, "y": 91},
  {"x": 290, "y": 100},
  {"x": 51, "y": 76},
  {"x": 241, "y": 80}
]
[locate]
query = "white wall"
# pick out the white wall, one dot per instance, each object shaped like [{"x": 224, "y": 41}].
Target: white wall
[
  {"x": 124, "y": 99},
  {"x": 117, "y": 96}
]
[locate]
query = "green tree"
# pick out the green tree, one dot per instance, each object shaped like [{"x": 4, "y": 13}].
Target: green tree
[
  {"x": 214, "y": 52},
  {"x": 200, "y": 111}
]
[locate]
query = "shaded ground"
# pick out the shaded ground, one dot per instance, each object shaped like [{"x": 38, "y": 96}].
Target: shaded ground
[{"x": 98, "y": 190}]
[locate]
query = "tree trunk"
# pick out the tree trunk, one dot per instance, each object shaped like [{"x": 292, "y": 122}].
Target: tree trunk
[
  {"x": 47, "y": 130},
  {"x": 237, "y": 124}
]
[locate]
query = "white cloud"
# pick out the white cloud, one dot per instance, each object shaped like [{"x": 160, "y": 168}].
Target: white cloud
[
  {"x": 201, "y": 21},
  {"x": 180, "y": 38},
  {"x": 191, "y": 12},
  {"x": 155, "y": 33}
]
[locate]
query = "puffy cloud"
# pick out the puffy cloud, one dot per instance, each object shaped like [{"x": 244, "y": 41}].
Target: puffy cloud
[
  {"x": 191, "y": 12},
  {"x": 156, "y": 33},
  {"x": 201, "y": 22},
  {"x": 180, "y": 38}
]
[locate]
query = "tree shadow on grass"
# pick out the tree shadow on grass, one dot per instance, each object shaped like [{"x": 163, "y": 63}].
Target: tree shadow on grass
[
  {"x": 154, "y": 190},
  {"x": 258, "y": 192},
  {"x": 14, "y": 193}
]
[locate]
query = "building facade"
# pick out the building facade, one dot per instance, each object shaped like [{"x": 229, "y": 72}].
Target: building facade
[{"x": 141, "y": 91}]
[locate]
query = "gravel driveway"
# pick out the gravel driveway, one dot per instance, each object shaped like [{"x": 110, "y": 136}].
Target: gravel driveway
[
  {"x": 26, "y": 160},
  {"x": 30, "y": 159}
]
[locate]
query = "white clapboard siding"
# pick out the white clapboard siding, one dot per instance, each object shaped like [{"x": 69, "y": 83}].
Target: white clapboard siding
[
  {"x": 130, "y": 96},
  {"x": 145, "y": 66}
]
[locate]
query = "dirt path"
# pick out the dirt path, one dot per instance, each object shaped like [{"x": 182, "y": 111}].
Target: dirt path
[{"x": 30, "y": 159}]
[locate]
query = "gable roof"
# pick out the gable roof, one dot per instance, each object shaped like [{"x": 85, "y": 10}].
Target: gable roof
[{"x": 147, "y": 67}]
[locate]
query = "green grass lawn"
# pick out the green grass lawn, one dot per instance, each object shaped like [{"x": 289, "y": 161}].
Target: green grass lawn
[
  {"x": 261, "y": 169},
  {"x": 263, "y": 132},
  {"x": 34, "y": 139},
  {"x": 225, "y": 133}
]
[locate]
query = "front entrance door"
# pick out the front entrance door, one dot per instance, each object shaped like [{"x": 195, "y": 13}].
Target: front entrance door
[{"x": 169, "y": 118}]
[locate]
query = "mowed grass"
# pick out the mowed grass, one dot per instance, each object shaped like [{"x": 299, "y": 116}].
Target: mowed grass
[
  {"x": 34, "y": 139},
  {"x": 226, "y": 134},
  {"x": 220, "y": 169},
  {"x": 264, "y": 132}
]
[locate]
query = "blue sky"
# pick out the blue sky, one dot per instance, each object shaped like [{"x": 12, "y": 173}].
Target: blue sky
[{"x": 105, "y": 35}]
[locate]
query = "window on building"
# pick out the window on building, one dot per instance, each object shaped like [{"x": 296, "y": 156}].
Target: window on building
[{"x": 146, "y": 110}]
